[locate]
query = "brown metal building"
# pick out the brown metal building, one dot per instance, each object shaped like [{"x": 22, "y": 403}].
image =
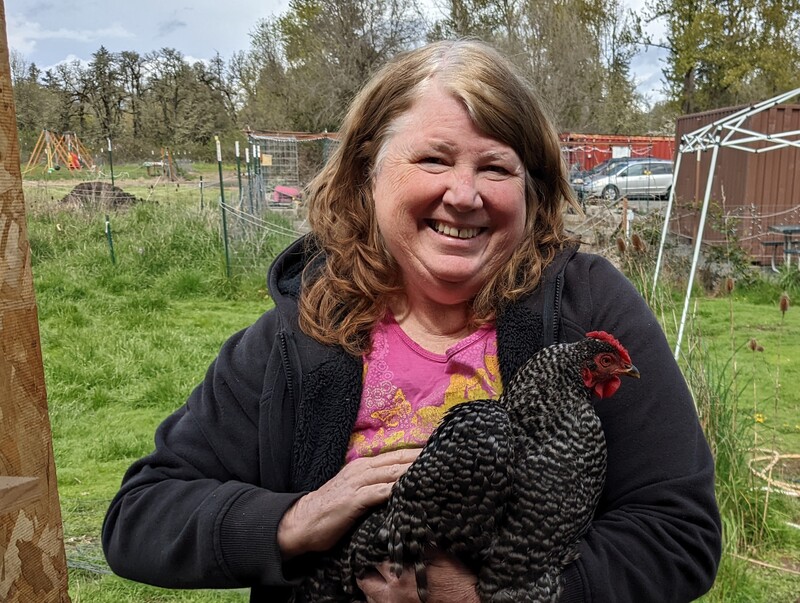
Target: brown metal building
[{"x": 754, "y": 189}]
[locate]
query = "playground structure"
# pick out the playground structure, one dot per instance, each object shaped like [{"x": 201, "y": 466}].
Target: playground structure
[{"x": 56, "y": 151}]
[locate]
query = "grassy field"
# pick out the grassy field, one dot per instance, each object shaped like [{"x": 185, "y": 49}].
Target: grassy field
[
  {"x": 125, "y": 342},
  {"x": 759, "y": 378}
]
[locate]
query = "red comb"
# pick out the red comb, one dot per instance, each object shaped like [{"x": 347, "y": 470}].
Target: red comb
[{"x": 607, "y": 337}]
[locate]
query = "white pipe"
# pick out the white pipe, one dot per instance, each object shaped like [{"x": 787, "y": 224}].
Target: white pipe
[
  {"x": 667, "y": 214},
  {"x": 698, "y": 243}
]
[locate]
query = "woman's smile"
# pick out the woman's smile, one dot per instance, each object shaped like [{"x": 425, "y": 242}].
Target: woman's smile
[{"x": 464, "y": 232}]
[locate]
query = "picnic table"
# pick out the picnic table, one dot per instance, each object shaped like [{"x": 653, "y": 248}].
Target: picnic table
[{"x": 790, "y": 243}]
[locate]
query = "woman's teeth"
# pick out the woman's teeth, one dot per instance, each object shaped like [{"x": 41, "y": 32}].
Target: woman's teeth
[{"x": 460, "y": 233}]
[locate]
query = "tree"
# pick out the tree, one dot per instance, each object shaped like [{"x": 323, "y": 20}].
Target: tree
[
  {"x": 620, "y": 110},
  {"x": 28, "y": 92},
  {"x": 323, "y": 51},
  {"x": 261, "y": 77},
  {"x": 184, "y": 105},
  {"x": 33, "y": 102},
  {"x": 476, "y": 18},
  {"x": 778, "y": 43},
  {"x": 170, "y": 82},
  {"x": 132, "y": 74},
  {"x": 221, "y": 78},
  {"x": 729, "y": 52},
  {"x": 207, "y": 112},
  {"x": 66, "y": 85},
  {"x": 576, "y": 53},
  {"x": 102, "y": 86}
]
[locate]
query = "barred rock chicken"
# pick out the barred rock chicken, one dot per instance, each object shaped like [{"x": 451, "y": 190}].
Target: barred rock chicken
[{"x": 509, "y": 487}]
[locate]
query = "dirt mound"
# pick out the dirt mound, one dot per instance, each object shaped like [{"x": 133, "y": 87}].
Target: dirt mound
[{"x": 98, "y": 193}]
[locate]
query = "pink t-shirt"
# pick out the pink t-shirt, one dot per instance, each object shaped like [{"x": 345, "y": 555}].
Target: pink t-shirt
[{"x": 407, "y": 389}]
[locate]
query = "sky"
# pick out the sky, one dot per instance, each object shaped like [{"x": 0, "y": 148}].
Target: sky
[{"x": 46, "y": 32}]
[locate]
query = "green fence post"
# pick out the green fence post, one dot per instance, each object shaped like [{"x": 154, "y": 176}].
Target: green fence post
[
  {"x": 110, "y": 161},
  {"x": 222, "y": 206},
  {"x": 110, "y": 240},
  {"x": 239, "y": 173},
  {"x": 201, "y": 193},
  {"x": 249, "y": 177},
  {"x": 261, "y": 198}
]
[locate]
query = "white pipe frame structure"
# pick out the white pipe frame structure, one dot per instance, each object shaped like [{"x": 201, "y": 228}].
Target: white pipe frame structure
[{"x": 725, "y": 132}]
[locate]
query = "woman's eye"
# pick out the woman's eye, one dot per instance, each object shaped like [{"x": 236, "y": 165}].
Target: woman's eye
[
  {"x": 434, "y": 160},
  {"x": 497, "y": 169}
]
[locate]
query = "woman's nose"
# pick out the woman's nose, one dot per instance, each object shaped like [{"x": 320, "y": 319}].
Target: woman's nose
[{"x": 462, "y": 191}]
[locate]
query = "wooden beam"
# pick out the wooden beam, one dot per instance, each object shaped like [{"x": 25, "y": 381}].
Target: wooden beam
[
  {"x": 32, "y": 560},
  {"x": 16, "y": 492}
]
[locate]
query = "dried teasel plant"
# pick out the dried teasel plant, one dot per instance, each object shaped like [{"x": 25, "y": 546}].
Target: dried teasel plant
[
  {"x": 730, "y": 283},
  {"x": 784, "y": 303},
  {"x": 639, "y": 246},
  {"x": 622, "y": 246}
]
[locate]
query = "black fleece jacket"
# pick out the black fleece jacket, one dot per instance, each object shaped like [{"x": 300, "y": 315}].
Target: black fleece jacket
[{"x": 272, "y": 418}]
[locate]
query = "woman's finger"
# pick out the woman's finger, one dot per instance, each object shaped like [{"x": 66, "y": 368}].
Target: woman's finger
[{"x": 320, "y": 518}]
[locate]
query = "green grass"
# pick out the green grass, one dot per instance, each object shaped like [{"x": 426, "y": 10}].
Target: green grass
[
  {"x": 763, "y": 376},
  {"x": 124, "y": 343},
  {"x": 111, "y": 380}
]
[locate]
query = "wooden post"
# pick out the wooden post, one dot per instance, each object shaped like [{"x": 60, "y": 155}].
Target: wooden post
[{"x": 31, "y": 535}]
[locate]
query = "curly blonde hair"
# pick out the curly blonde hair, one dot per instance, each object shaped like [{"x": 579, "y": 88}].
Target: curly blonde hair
[{"x": 344, "y": 296}]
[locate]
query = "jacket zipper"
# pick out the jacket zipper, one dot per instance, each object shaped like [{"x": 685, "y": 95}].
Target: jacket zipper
[
  {"x": 557, "y": 306},
  {"x": 287, "y": 367}
]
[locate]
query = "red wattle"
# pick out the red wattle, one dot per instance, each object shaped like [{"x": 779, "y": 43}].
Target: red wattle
[{"x": 606, "y": 389}]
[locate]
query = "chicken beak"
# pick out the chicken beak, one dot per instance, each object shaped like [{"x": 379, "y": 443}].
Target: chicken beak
[{"x": 630, "y": 371}]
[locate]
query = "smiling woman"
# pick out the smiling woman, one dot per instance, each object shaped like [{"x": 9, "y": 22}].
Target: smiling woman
[
  {"x": 450, "y": 207},
  {"x": 450, "y": 140},
  {"x": 437, "y": 266}
]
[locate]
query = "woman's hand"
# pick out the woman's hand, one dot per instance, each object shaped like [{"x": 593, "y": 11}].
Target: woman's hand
[
  {"x": 319, "y": 519},
  {"x": 449, "y": 581}
]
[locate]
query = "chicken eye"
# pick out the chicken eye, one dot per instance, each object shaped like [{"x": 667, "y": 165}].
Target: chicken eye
[{"x": 605, "y": 360}]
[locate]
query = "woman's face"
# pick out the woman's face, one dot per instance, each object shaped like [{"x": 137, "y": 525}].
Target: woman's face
[{"x": 449, "y": 200}]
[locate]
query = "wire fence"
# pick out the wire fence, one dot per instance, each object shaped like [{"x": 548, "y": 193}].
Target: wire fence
[{"x": 82, "y": 534}]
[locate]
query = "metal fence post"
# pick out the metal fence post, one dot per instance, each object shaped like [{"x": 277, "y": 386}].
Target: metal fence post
[
  {"x": 110, "y": 240},
  {"x": 222, "y": 207}
]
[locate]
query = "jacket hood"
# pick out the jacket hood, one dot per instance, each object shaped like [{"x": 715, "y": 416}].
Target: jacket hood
[
  {"x": 560, "y": 260},
  {"x": 285, "y": 275}
]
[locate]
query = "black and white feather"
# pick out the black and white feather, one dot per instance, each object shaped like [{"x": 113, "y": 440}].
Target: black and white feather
[{"x": 508, "y": 486}]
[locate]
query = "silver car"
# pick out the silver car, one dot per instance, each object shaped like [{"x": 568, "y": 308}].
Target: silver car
[{"x": 645, "y": 178}]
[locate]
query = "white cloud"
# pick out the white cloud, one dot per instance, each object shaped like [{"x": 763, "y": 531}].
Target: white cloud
[{"x": 23, "y": 34}]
